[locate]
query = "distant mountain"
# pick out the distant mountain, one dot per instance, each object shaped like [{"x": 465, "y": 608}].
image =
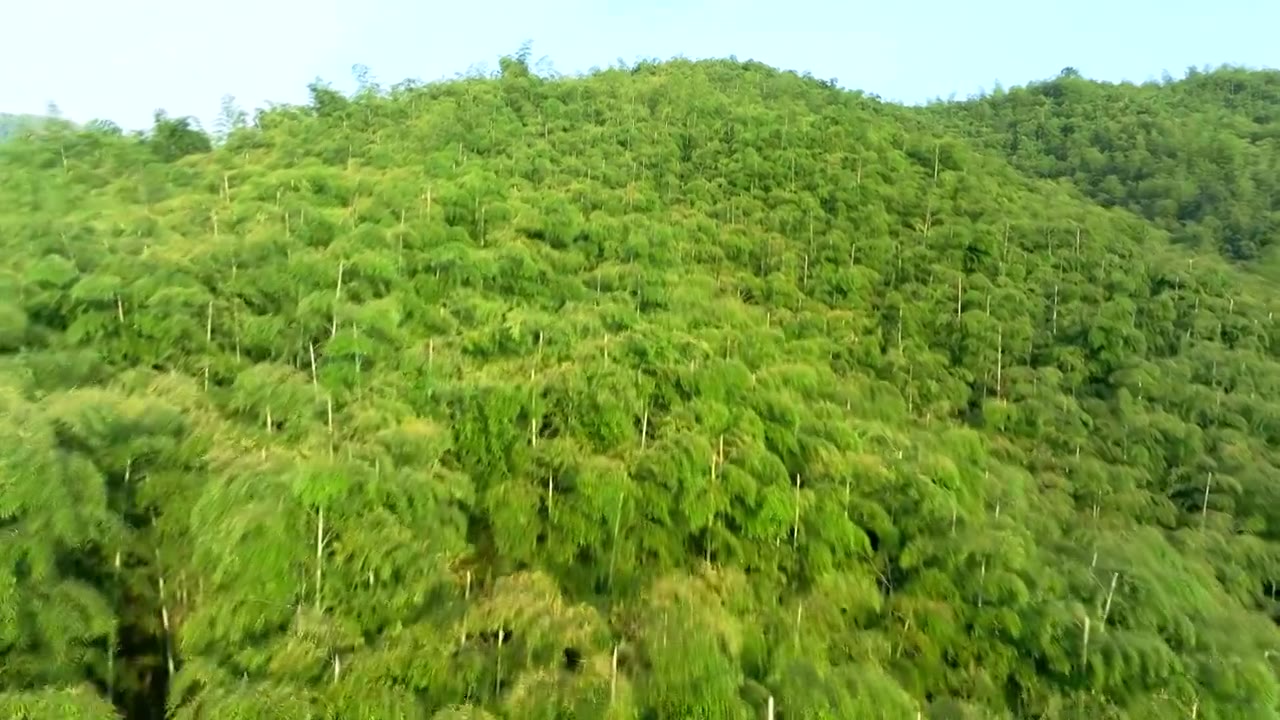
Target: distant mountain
[
  {"x": 1198, "y": 157},
  {"x": 11, "y": 124}
]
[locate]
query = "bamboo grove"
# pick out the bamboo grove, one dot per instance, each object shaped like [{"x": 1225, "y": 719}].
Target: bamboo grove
[{"x": 681, "y": 390}]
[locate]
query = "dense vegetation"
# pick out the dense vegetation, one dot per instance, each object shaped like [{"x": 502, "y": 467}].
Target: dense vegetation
[{"x": 684, "y": 390}]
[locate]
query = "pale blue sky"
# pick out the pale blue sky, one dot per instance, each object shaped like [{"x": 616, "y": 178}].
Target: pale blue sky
[{"x": 121, "y": 60}]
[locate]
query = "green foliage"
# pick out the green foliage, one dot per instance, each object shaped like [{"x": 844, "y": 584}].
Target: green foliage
[{"x": 687, "y": 390}]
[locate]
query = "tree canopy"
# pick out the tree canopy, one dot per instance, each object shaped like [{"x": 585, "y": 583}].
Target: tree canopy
[{"x": 675, "y": 390}]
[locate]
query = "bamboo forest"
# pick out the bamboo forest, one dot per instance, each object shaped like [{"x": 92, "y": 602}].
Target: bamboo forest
[{"x": 674, "y": 389}]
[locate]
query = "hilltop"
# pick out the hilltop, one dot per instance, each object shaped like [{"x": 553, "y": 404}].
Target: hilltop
[{"x": 680, "y": 390}]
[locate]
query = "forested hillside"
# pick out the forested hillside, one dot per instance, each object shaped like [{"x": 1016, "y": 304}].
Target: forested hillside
[
  {"x": 684, "y": 390},
  {"x": 1199, "y": 157}
]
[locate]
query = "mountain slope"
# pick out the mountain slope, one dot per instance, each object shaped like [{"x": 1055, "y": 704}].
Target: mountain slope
[{"x": 656, "y": 393}]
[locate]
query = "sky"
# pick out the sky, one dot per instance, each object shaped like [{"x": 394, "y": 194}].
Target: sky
[{"x": 123, "y": 59}]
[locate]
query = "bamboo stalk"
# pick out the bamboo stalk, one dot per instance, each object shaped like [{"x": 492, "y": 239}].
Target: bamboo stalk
[
  {"x": 329, "y": 408},
  {"x": 1084, "y": 652},
  {"x": 1204, "y": 505},
  {"x": 164, "y": 618},
  {"x": 799, "y": 621},
  {"x": 315, "y": 381},
  {"x": 497, "y": 683},
  {"x": 337, "y": 296},
  {"x": 111, "y": 651},
  {"x": 795, "y": 527},
  {"x": 613, "y": 677},
  {"x": 982, "y": 583},
  {"x": 1106, "y": 610},
  {"x": 319, "y": 556}
]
